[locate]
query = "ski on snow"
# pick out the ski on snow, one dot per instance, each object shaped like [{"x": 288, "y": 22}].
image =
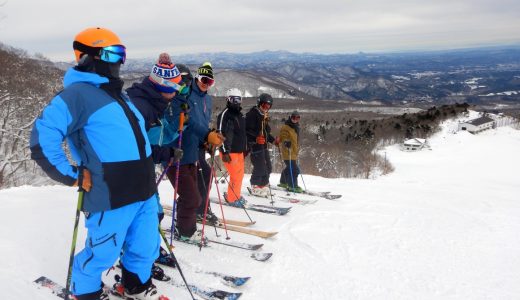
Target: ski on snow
[
  {"x": 326, "y": 195},
  {"x": 256, "y": 256},
  {"x": 55, "y": 288},
  {"x": 274, "y": 210},
  {"x": 228, "y": 221},
  {"x": 258, "y": 233},
  {"x": 287, "y": 199},
  {"x": 237, "y": 222},
  {"x": 203, "y": 292},
  {"x": 166, "y": 260},
  {"x": 59, "y": 290}
]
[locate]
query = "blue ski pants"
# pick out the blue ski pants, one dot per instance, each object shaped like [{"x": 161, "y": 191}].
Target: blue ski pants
[{"x": 133, "y": 228}]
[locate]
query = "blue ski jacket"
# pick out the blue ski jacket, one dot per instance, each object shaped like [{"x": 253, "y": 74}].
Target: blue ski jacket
[
  {"x": 104, "y": 134},
  {"x": 198, "y": 122}
]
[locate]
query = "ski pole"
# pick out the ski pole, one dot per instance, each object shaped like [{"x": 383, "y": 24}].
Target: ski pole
[
  {"x": 268, "y": 183},
  {"x": 175, "y": 261},
  {"x": 220, "y": 202},
  {"x": 223, "y": 176},
  {"x": 205, "y": 190},
  {"x": 291, "y": 171},
  {"x": 181, "y": 124},
  {"x": 207, "y": 197},
  {"x": 75, "y": 231},
  {"x": 304, "y": 186},
  {"x": 233, "y": 190},
  {"x": 170, "y": 163}
]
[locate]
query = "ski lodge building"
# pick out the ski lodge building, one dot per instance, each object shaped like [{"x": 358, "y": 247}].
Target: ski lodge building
[
  {"x": 477, "y": 125},
  {"x": 414, "y": 145}
]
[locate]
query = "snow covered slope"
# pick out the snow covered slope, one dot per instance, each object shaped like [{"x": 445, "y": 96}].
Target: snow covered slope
[{"x": 444, "y": 225}]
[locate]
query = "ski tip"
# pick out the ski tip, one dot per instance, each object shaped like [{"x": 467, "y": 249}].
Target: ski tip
[
  {"x": 261, "y": 256},
  {"x": 233, "y": 296},
  {"x": 241, "y": 281},
  {"x": 257, "y": 246}
]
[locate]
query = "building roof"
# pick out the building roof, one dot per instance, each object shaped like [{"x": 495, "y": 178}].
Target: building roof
[
  {"x": 480, "y": 121},
  {"x": 417, "y": 142}
]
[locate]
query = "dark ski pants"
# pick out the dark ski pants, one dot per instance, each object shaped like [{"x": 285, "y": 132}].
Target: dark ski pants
[
  {"x": 287, "y": 177},
  {"x": 262, "y": 168},
  {"x": 203, "y": 185},
  {"x": 133, "y": 229},
  {"x": 188, "y": 199}
]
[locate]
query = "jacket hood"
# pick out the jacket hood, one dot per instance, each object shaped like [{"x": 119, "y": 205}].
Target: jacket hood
[
  {"x": 146, "y": 90},
  {"x": 74, "y": 76},
  {"x": 295, "y": 126}
]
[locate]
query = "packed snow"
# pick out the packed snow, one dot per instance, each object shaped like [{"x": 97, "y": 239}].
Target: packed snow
[{"x": 444, "y": 225}]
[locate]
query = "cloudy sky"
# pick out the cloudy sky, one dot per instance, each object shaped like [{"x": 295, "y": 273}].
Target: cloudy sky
[{"x": 323, "y": 26}]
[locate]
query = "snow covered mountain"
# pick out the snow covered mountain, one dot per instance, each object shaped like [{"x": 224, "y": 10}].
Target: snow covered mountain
[{"x": 444, "y": 225}]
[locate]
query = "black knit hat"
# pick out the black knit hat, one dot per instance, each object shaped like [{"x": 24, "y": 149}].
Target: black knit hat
[
  {"x": 295, "y": 113},
  {"x": 265, "y": 98},
  {"x": 185, "y": 73},
  {"x": 206, "y": 70}
]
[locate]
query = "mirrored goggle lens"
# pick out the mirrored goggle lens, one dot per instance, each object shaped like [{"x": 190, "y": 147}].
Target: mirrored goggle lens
[
  {"x": 113, "y": 54},
  {"x": 175, "y": 86},
  {"x": 235, "y": 99},
  {"x": 266, "y": 105},
  {"x": 206, "y": 80}
]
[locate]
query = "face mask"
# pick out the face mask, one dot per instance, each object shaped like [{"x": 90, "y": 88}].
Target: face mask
[{"x": 108, "y": 70}]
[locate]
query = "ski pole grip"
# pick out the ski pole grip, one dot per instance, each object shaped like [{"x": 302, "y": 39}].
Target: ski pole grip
[
  {"x": 181, "y": 121},
  {"x": 81, "y": 168}
]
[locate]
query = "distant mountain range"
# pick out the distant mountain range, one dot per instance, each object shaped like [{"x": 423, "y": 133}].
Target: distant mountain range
[{"x": 476, "y": 75}]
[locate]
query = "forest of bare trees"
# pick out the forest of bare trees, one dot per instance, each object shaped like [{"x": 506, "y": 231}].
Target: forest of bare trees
[{"x": 26, "y": 84}]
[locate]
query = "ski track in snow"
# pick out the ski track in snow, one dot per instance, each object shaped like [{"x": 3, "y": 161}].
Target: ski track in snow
[{"x": 444, "y": 225}]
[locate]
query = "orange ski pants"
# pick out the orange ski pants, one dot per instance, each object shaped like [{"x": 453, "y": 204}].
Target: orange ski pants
[{"x": 235, "y": 169}]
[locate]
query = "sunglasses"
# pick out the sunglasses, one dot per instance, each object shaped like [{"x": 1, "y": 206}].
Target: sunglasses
[
  {"x": 295, "y": 117},
  {"x": 113, "y": 54},
  {"x": 235, "y": 99},
  {"x": 206, "y": 80}
]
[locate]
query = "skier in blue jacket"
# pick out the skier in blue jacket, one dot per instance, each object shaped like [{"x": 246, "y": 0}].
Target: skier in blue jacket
[
  {"x": 197, "y": 132},
  {"x": 107, "y": 139},
  {"x": 202, "y": 105}
]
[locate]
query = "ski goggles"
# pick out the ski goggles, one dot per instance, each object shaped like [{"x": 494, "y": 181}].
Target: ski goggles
[
  {"x": 206, "y": 80},
  {"x": 265, "y": 105},
  {"x": 295, "y": 117},
  {"x": 175, "y": 86},
  {"x": 234, "y": 99},
  {"x": 113, "y": 54}
]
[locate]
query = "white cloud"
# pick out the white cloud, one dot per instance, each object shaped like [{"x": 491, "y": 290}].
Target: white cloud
[{"x": 147, "y": 27}]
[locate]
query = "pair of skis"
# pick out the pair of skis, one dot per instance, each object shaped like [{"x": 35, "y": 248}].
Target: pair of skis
[
  {"x": 239, "y": 227},
  {"x": 268, "y": 209},
  {"x": 235, "y": 281},
  {"x": 203, "y": 292},
  {"x": 288, "y": 199},
  {"x": 258, "y": 256},
  {"x": 326, "y": 195}
]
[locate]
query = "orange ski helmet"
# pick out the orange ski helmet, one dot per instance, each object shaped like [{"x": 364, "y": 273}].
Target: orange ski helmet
[{"x": 92, "y": 40}]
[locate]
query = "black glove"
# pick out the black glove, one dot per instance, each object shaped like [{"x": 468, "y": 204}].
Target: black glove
[
  {"x": 176, "y": 154},
  {"x": 287, "y": 144},
  {"x": 225, "y": 157}
]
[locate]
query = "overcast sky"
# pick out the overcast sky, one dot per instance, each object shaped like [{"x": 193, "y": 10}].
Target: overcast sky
[{"x": 148, "y": 27}]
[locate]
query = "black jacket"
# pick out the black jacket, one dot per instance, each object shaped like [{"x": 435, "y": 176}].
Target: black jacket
[
  {"x": 152, "y": 106},
  {"x": 257, "y": 124},
  {"x": 232, "y": 124}
]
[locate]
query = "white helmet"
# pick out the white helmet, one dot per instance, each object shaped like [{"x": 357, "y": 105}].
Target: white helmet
[{"x": 234, "y": 92}]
